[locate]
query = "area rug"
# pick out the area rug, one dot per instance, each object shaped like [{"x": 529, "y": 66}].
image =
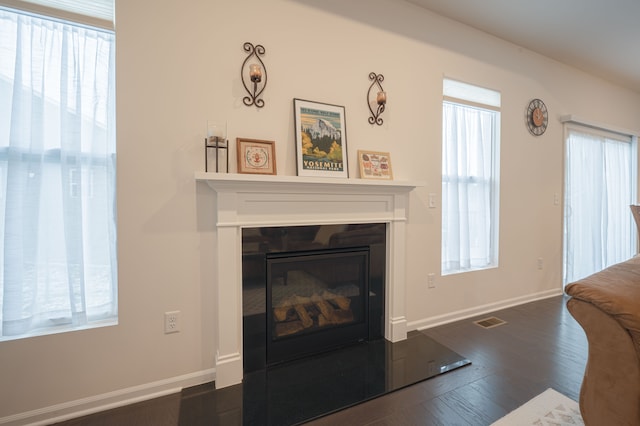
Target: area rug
[{"x": 548, "y": 408}]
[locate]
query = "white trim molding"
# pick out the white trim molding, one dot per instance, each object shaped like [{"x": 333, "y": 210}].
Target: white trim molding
[
  {"x": 570, "y": 118},
  {"x": 107, "y": 401},
  {"x": 450, "y": 317}
]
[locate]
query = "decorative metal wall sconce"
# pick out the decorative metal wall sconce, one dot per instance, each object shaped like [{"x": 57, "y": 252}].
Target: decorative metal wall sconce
[
  {"x": 380, "y": 100},
  {"x": 255, "y": 73},
  {"x": 217, "y": 140}
]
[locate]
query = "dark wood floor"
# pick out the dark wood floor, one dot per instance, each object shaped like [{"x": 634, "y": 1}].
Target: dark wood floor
[{"x": 541, "y": 346}]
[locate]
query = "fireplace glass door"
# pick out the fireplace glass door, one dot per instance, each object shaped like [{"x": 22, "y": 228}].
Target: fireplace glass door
[{"x": 316, "y": 301}]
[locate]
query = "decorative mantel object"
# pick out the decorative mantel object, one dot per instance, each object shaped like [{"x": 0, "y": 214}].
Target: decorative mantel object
[
  {"x": 321, "y": 139},
  {"x": 375, "y": 165},
  {"x": 248, "y": 200},
  {"x": 253, "y": 75},
  {"x": 216, "y": 140},
  {"x": 256, "y": 156},
  {"x": 380, "y": 100}
]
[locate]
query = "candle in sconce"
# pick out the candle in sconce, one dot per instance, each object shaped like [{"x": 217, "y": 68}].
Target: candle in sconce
[
  {"x": 382, "y": 98},
  {"x": 255, "y": 72}
]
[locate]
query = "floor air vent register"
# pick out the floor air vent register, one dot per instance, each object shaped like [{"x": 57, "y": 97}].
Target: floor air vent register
[{"x": 490, "y": 322}]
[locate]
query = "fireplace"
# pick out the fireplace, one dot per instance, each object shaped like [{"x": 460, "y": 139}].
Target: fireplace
[
  {"x": 316, "y": 301},
  {"x": 309, "y": 289},
  {"x": 250, "y": 201}
]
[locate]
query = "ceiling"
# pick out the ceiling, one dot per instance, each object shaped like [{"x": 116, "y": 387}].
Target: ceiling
[{"x": 599, "y": 37}]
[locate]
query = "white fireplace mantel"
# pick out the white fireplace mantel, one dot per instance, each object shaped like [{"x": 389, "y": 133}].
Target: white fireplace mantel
[{"x": 246, "y": 200}]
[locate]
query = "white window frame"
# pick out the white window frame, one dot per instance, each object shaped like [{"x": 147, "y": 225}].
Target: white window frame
[
  {"x": 75, "y": 16},
  {"x": 467, "y": 95},
  {"x": 580, "y": 125},
  {"x": 94, "y": 13}
]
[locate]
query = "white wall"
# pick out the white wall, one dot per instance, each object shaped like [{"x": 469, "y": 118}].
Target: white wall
[{"x": 178, "y": 65}]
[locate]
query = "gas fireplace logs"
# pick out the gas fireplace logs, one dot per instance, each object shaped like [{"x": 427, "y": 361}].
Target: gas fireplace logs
[
  {"x": 296, "y": 313},
  {"x": 302, "y": 313}
]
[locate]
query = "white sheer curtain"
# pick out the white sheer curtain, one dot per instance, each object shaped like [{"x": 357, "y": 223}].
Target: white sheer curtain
[
  {"x": 599, "y": 188},
  {"x": 468, "y": 216},
  {"x": 57, "y": 176}
]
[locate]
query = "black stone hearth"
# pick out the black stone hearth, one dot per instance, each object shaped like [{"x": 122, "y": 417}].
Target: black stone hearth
[{"x": 299, "y": 391}]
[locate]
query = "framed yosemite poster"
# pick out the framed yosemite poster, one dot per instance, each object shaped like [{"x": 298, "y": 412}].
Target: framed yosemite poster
[{"x": 321, "y": 139}]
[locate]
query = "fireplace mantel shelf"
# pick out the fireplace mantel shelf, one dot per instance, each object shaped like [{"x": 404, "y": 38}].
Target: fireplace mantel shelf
[{"x": 222, "y": 181}]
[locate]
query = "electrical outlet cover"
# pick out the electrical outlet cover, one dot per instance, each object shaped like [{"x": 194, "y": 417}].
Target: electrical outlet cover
[{"x": 171, "y": 322}]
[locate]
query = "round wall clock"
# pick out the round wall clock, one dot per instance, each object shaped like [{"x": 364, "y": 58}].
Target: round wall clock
[{"x": 537, "y": 117}]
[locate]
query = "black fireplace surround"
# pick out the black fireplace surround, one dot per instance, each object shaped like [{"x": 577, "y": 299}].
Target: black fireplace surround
[{"x": 348, "y": 261}]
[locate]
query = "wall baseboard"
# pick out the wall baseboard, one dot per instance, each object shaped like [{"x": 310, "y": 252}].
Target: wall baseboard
[
  {"x": 94, "y": 404},
  {"x": 479, "y": 310}
]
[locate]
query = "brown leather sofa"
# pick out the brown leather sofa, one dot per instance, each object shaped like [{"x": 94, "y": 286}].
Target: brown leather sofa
[{"x": 607, "y": 306}]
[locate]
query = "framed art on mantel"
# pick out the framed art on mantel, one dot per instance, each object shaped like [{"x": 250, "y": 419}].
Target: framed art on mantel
[
  {"x": 375, "y": 165},
  {"x": 321, "y": 139},
  {"x": 256, "y": 156}
]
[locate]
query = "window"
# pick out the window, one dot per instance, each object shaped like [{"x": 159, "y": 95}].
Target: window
[
  {"x": 57, "y": 175},
  {"x": 470, "y": 177},
  {"x": 600, "y": 176}
]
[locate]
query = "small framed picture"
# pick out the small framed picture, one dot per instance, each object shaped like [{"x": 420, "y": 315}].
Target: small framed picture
[
  {"x": 321, "y": 139},
  {"x": 375, "y": 165},
  {"x": 256, "y": 156}
]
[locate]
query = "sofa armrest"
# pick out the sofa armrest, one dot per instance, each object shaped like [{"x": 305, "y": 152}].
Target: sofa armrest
[{"x": 610, "y": 392}]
